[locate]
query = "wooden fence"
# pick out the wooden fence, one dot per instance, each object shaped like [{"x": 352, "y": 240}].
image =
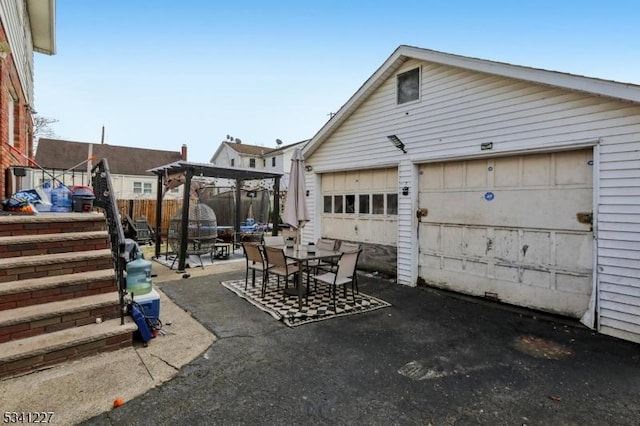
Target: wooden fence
[{"x": 137, "y": 209}]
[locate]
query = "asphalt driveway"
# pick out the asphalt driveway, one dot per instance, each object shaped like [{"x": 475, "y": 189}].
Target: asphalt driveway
[{"x": 432, "y": 358}]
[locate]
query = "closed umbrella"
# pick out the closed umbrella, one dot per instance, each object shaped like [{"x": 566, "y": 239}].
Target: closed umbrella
[{"x": 295, "y": 207}]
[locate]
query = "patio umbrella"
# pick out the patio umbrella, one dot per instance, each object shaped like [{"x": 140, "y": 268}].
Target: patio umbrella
[{"x": 295, "y": 207}]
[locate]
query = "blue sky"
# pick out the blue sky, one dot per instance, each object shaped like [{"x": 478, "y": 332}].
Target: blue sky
[{"x": 159, "y": 74}]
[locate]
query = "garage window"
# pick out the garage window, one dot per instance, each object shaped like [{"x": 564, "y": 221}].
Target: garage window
[
  {"x": 392, "y": 204},
  {"x": 350, "y": 203},
  {"x": 377, "y": 204},
  {"x": 363, "y": 204},
  {"x": 337, "y": 204},
  {"x": 327, "y": 199}
]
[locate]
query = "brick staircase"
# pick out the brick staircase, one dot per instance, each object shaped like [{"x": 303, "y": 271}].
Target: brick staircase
[{"x": 58, "y": 291}]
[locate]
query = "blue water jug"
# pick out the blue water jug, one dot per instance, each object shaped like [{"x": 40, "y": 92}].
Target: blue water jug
[
  {"x": 61, "y": 199},
  {"x": 139, "y": 275}
]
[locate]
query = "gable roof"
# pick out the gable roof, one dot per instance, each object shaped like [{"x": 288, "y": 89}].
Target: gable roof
[
  {"x": 62, "y": 155},
  {"x": 256, "y": 150},
  {"x": 622, "y": 91}
]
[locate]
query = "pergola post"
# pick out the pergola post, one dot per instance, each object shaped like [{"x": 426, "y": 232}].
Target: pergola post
[
  {"x": 237, "y": 219},
  {"x": 159, "y": 216},
  {"x": 275, "y": 214},
  {"x": 184, "y": 232}
]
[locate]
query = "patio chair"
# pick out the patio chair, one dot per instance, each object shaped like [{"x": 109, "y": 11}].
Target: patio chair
[
  {"x": 288, "y": 233},
  {"x": 255, "y": 262},
  {"x": 347, "y": 247},
  {"x": 279, "y": 266},
  {"x": 273, "y": 240},
  {"x": 325, "y": 265},
  {"x": 345, "y": 274}
]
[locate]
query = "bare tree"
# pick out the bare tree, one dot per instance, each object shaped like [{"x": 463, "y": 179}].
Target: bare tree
[{"x": 42, "y": 129}]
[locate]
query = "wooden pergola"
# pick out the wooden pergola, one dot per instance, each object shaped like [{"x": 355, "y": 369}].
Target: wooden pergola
[{"x": 190, "y": 170}]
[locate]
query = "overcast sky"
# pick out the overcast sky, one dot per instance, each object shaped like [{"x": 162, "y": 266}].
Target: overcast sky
[{"x": 159, "y": 74}]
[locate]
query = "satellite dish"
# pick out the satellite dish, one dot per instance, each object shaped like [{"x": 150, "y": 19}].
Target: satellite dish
[
  {"x": 238, "y": 140},
  {"x": 228, "y": 137},
  {"x": 278, "y": 141}
]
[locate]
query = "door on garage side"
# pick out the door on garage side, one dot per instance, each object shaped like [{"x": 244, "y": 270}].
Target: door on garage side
[{"x": 514, "y": 228}]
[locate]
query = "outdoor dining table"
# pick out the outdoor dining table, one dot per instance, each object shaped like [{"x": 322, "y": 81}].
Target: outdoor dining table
[{"x": 301, "y": 254}]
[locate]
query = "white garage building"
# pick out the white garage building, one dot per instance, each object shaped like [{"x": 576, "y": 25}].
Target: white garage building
[{"x": 490, "y": 179}]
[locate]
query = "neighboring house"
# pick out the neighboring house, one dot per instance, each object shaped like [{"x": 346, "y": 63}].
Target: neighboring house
[
  {"x": 236, "y": 154},
  {"x": 70, "y": 163},
  {"x": 501, "y": 181},
  {"x": 26, "y": 27}
]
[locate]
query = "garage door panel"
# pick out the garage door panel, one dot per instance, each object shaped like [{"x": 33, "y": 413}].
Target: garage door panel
[
  {"x": 577, "y": 284},
  {"x": 534, "y": 278},
  {"x": 572, "y": 168},
  {"x": 475, "y": 242},
  {"x": 476, "y": 268},
  {"x": 535, "y": 248},
  {"x": 574, "y": 250},
  {"x": 476, "y": 174},
  {"x": 506, "y": 172},
  {"x": 452, "y": 240},
  {"x": 506, "y": 244},
  {"x": 430, "y": 238},
  {"x": 552, "y": 209},
  {"x": 535, "y": 170},
  {"x": 452, "y": 264},
  {"x": 510, "y": 226}
]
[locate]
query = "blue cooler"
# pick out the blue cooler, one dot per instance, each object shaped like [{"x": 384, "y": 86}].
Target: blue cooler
[{"x": 150, "y": 303}]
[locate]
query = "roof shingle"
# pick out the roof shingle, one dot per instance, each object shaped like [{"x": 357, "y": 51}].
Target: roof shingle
[{"x": 62, "y": 154}]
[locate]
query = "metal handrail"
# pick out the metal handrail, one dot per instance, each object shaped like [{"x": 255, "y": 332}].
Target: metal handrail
[{"x": 106, "y": 200}]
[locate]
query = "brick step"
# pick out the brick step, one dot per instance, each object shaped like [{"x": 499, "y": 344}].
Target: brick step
[
  {"x": 52, "y": 223},
  {"x": 20, "y": 268},
  {"x": 16, "y": 294},
  {"x": 49, "y": 317},
  {"x": 37, "y": 244},
  {"x": 38, "y": 352}
]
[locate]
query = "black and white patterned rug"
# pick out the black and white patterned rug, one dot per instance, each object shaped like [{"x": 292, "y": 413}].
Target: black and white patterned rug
[{"x": 319, "y": 307}]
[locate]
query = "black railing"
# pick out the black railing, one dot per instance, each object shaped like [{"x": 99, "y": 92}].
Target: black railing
[{"x": 106, "y": 200}]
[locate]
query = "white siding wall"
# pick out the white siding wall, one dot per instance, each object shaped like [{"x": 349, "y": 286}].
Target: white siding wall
[
  {"x": 461, "y": 109},
  {"x": 16, "y": 24},
  {"x": 619, "y": 235}
]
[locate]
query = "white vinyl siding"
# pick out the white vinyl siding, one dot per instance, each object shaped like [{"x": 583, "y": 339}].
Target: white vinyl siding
[
  {"x": 619, "y": 236},
  {"x": 14, "y": 16},
  {"x": 461, "y": 109}
]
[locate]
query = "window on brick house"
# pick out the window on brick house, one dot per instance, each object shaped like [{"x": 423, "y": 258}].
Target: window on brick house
[{"x": 10, "y": 119}]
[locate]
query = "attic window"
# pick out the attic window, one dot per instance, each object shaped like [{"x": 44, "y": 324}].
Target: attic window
[{"x": 408, "y": 88}]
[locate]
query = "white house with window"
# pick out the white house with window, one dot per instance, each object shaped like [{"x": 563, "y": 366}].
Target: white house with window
[
  {"x": 70, "y": 162},
  {"x": 240, "y": 155}
]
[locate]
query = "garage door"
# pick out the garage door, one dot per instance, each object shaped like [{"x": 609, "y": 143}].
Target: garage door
[
  {"x": 361, "y": 205},
  {"x": 515, "y": 228}
]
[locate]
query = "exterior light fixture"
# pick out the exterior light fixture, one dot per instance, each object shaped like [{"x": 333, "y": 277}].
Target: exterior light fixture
[
  {"x": 396, "y": 142},
  {"x": 308, "y": 168}
]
